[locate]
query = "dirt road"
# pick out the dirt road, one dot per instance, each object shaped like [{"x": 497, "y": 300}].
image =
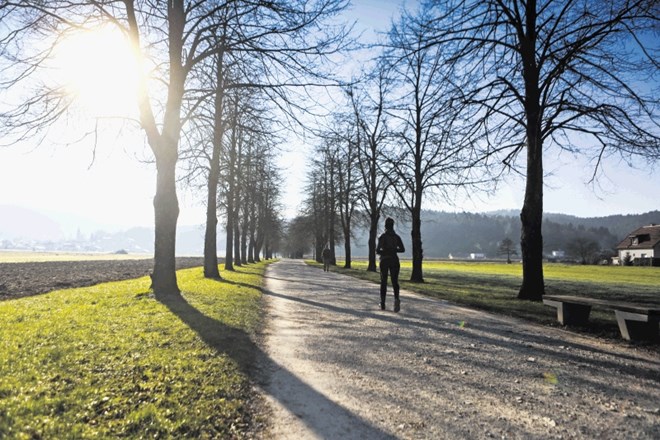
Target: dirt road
[{"x": 337, "y": 367}]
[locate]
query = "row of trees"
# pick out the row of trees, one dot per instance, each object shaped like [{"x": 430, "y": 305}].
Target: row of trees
[
  {"x": 464, "y": 91},
  {"x": 214, "y": 76}
]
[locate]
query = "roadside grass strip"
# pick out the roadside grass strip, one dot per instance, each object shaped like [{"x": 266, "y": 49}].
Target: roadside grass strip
[
  {"x": 494, "y": 287},
  {"x": 111, "y": 361}
]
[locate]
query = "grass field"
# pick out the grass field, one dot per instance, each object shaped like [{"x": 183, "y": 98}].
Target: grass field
[
  {"x": 494, "y": 287},
  {"x": 110, "y": 361}
]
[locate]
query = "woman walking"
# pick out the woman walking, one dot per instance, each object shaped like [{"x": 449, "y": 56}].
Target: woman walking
[{"x": 389, "y": 245}]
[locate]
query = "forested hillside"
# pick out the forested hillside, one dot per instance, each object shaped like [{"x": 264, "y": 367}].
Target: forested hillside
[{"x": 461, "y": 234}]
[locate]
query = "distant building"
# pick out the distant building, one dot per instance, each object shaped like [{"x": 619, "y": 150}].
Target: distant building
[
  {"x": 641, "y": 246},
  {"x": 558, "y": 254},
  {"x": 477, "y": 256}
]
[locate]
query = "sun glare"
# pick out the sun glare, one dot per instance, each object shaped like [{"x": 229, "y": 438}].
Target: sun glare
[{"x": 100, "y": 72}]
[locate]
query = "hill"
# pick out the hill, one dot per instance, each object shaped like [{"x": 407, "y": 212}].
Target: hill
[
  {"x": 461, "y": 234},
  {"x": 26, "y": 229}
]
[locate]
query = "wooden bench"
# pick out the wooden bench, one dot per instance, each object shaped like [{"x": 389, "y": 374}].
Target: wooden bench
[{"x": 636, "y": 321}]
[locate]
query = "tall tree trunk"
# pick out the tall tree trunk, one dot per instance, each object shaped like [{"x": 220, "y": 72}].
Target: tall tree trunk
[
  {"x": 211, "y": 236},
  {"x": 166, "y": 214},
  {"x": 319, "y": 245},
  {"x": 252, "y": 244},
  {"x": 531, "y": 216},
  {"x": 237, "y": 240},
  {"x": 232, "y": 205},
  {"x": 244, "y": 242},
  {"x": 373, "y": 236},
  {"x": 229, "y": 235},
  {"x": 165, "y": 146},
  {"x": 531, "y": 239},
  {"x": 416, "y": 235},
  {"x": 347, "y": 247},
  {"x": 258, "y": 245}
]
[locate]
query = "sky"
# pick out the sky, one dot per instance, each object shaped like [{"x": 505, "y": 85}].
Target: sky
[{"x": 112, "y": 187}]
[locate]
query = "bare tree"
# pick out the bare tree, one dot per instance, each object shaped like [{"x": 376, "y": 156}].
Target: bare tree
[
  {"x": 368, "y": 104},
  {"x": 347, "y": 184},
  {"x": 570, "y": 74},
  {"x": 177, "y": 36},
  {"x": 506, "y": 247},
  {"x": 429, "y": 157},
  {"x": 583, "y": 248},
  {"x": 321, "y": 202},
  {"x": 270, "y": 49},
  {"x": 299, "y": 237},
  {"x": 340, "y": 149}
]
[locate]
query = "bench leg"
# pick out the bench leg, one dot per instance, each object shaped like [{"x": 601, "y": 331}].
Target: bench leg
[
  {"x": 573, "y": 314},
  {"x": 637, "y": 326},
  {"x": 570, "y": 314}
]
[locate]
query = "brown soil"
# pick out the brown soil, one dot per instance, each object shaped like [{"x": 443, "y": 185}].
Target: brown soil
[{"x": 25, "y": 279}]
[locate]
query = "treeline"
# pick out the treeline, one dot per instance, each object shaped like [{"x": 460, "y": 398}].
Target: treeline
[
  {"x": 462, "y": 234},
  {"x": 220, "y": 85},
  {"x": 459, "y": 94}
]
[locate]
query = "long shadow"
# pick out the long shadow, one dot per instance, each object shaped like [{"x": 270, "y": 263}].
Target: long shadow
[
  {"x": 301, "y": 398},
  {"x": 519, "y": 341},
  {"x": 256, "y": 364}
]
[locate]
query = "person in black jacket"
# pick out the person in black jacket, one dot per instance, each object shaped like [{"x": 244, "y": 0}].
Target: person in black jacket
[{"x": 389, "y": 245}]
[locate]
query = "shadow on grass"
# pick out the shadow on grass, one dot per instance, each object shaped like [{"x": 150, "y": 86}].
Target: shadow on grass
[
  {"x": 511, "y": 337},
  {"x": 329, "y": 419}
]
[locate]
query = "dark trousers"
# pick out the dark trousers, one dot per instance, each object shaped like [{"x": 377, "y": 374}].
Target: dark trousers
[{"x": 391, "y": 266}]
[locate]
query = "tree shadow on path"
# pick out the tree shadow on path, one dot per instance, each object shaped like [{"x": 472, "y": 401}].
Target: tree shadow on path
[{"x": 324, "y": 417}]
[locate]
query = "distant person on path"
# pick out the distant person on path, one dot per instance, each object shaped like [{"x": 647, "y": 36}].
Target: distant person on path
[
  {"x": 389, "y": 244},
  {"x": 327, "y": 256}
]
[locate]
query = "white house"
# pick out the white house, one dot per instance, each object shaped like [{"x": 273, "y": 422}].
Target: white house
[
  {"x": 643, "y": 242},
  {"x": 477, "y": 256}
]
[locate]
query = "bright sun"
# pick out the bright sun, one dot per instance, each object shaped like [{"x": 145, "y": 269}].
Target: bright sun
[{"x": 100, "y": 71}]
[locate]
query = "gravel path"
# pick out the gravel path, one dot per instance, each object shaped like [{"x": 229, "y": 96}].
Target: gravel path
[{"x": 337, "y": 367}]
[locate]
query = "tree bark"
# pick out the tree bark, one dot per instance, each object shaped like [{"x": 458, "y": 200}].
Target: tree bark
[
  {"x": 347, "y": 249},
  {"x": 244, "y": 242},
  {"x": 373, "y": 232},
  {"x": 166, "y": 214},
  {"x": 210, "y": 235},
  {"x": 531, "y": 239},
  {"x": 232, "y": 199},
  {"x": 165, "y": 147},
  {"x": 229, "y": 235},
  {"x": 417, "y": 275},
  {"x": 237, "y": 240}
]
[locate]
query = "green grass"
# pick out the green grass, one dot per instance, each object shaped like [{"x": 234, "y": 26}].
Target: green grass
[
  {"x": 111, "y": 361},
  {"x": 494, "y": 287}
]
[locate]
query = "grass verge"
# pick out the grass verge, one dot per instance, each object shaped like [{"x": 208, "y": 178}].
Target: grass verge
[
  {"x": 110, "y": 361},
  {"x": 494, "y": 287}
]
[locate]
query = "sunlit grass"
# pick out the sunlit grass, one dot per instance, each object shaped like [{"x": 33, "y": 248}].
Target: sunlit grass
[
  {"x": 494, "y": 286},
  {"x": 111, "y": 361}
]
